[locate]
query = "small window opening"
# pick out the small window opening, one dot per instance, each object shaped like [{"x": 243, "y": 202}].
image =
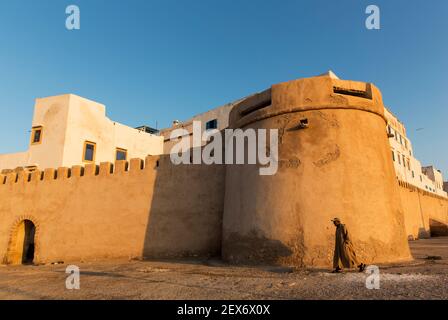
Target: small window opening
[
  {"x": 121, "y": 154},
  {"x": 36, "y": 135},
  {"x": 89, "y": 151},
  {"x": 212, "y": 124}
]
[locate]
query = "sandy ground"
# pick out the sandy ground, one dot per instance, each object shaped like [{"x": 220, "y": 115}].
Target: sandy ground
[{"x": 212, "y": 279}]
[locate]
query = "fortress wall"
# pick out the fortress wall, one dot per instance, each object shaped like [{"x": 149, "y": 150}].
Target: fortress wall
[
  {"x": 186, "y": 210},
  {"x": 339, "y": 165},
  {"x": 126, "y": 210},
  {"x": 425, "y": 214}
]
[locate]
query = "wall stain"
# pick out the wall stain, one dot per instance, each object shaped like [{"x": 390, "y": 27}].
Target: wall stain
[
  {"x": 329, "y": 157},
  {"x": 292, "y": 163},
  {"x": 331, "y": 119}
]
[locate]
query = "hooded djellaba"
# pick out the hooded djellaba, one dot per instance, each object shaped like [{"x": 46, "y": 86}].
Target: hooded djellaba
[{"x": 344, "y": 253}]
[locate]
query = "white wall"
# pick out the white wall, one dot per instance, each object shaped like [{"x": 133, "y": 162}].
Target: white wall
[
  {"x": 220, "y": 113},
  {"x": 87, "y": 121},
  {"x": 420, "y": 179},
  {"x": 51, "y": 113},
  {"x": 68, "y": 121},
  {"x": 13, "y": 160}
]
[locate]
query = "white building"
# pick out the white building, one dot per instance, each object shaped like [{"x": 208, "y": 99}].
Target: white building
[
  {"x": 407, "y": 167},
  {"x": 70, "y": 130},
  {"x": 217, "y": 118}
]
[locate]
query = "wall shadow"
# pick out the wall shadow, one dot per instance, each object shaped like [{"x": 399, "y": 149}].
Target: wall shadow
[
  {"x": 185, "y": 211},
  {"x": 437, "y": 228}
]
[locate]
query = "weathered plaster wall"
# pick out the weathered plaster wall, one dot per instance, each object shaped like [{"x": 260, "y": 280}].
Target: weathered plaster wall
[
  {"x": 340, "y": 166},
  {"x": 186, "y": 210},
  {"x": 96, "y": 214},
  {"x": 425, "y": 214}
]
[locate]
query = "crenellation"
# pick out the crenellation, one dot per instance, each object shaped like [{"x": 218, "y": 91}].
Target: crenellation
[
  {"x": 106, "y": 168},
  {"x": 77, "y": 171},
  {"x": 91, "y": 170},
  {"x": 35, "y": 176},
  {"x": 49, "y": 174},
  {"x": 11, "y": 178},
  {"x": 152, "y": 162},
  {"x": 135, "y": 165},
  {"x": 121, "y": 166},
  {"x": 22, "y": 176},
  {"x": 63, "y": 173}
]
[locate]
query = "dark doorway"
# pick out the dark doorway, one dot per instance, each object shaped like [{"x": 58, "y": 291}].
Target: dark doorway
[
  {"x": 437, "y": 228},
  {"x": 28, "y": 242}
]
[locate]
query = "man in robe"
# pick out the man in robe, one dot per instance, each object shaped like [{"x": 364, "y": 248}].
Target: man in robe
[{"x": 344, "y": 253}]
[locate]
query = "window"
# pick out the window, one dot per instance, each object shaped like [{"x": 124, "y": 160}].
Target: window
[
  {"x": 36, "y": 135},
  {"x": 421, "y": 179},
  {"x": 352, "y": 92},
  {"x": 212, "y": 124},
  {"x": 413, "y": 175},
  {"x": 393, "y": 155},
  {"x": 404, "y": 161},
  {"x": 121, "y": 154},
  {"x": 399, "y": 158},
  {"x": 89, "y": 151}
]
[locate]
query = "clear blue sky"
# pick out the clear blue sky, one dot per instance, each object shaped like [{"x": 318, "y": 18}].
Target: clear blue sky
[{"x": 151, "y": 61}]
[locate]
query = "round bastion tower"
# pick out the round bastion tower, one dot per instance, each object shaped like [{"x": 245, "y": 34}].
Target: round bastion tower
[{"x": 334, "y": 161}]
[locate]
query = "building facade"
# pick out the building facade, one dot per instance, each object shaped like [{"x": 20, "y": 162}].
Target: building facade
[
  {"x": 70, "y": 130},
  {"x": 215, "y": 119},
  {"x": 408, "y": 169}
]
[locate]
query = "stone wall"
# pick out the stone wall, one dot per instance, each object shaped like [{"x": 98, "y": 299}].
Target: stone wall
[
  {"x": 426, "y": 214},
  {"x": 139, "y": 209},
  {"x": 334, "y": 161}
]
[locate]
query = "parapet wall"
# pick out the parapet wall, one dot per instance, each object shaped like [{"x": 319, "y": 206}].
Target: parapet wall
[
  {"x": 132, "y": 209},
  {"x": 425, "y": 213}
]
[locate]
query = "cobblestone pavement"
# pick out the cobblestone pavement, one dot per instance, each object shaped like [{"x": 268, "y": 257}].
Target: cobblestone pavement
[{"x": 421, "y": 279}]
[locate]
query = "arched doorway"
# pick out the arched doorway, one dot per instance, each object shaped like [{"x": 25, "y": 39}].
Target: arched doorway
[
  {"x": 28, "y": 243},
  {"x": 22, "y": 245}
]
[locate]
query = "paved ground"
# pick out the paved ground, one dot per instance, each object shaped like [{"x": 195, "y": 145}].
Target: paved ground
[{"x": 421, "y": 279}]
